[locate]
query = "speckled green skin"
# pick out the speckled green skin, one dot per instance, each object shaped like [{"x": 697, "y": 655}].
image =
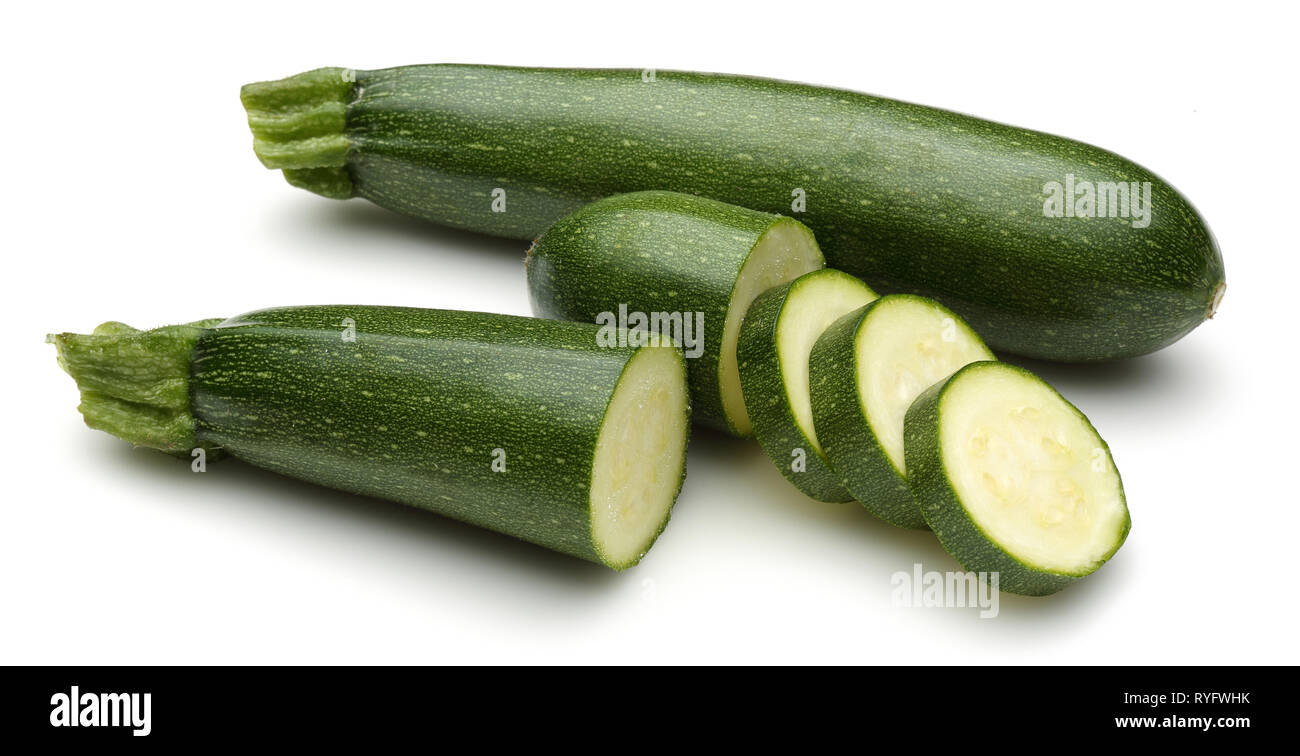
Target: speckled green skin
[
  {"x": 763, "y": 381},
  {"x": 910, "y": 198},
  {"x": 943, "y": 510},
  {"x": 653, "y": 252},
  {"x": 412, "y": 410}
]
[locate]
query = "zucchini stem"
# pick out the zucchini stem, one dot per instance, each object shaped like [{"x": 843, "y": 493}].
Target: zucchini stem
[
  {"x": 135, "y": 384},
  {"x": 298, "y": 126}
]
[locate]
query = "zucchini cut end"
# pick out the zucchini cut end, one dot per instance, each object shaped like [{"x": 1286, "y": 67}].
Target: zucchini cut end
[
  {"x": 640, "y": 458},
  {"x": 786, "y": 251}
]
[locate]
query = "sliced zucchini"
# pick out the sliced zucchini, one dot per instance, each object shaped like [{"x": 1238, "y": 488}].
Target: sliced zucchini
[
  {"x": 672, "y": 255},
  {"x": 776, "y": 339},
  {"x": 1013, "y": 479},
  {"x": 865, "y": 370}
]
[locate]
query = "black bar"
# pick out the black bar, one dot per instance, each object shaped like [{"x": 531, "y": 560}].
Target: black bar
[{"x": 328, "y": 706}]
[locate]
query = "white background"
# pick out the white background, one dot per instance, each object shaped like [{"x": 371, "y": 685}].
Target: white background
[{"x": 130, "y": 192}]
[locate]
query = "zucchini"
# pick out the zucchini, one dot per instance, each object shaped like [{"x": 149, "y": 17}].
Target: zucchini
[
  {"x": 688, "y": 263},
  {"x": 864, "y": 372},
  {"x": 776, "y": 338},
  {"x": 910, "y": 198},
  {"x": 1013, "y": 479},
  {"x": 520, "y": 425}
]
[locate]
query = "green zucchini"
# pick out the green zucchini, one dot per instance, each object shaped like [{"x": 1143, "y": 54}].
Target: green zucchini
[
  {"x": 864, "y": 373},
  {"x": 776, "y": 338},
  {"x": 689, "y": 264},
  {"x": 1013, "y": 479},
  {"x": 521, "y": 425},
  {"x": 910, "y": 198}
]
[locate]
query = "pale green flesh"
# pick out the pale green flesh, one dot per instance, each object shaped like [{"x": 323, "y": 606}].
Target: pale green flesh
[
  {"x": 905, "y": 345},
  {"x": 810, "y": 308},
  {"x": 785, "y": 252},
  {"x": 1030, "y": 471},
  {"x": 636, "y": 470}
]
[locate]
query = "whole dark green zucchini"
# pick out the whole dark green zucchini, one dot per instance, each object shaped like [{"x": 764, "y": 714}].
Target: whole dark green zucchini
[
  {"x": 1049, "y": 247},
  {"x": 521, "y": 425}
]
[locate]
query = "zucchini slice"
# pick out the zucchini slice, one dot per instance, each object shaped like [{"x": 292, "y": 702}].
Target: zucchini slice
[
  {"x": 675, "y": 261},
  {"x": 1013, "y": 479},
  {"x": 865, "y": 371},
  {"x": 776, "y": 339}
]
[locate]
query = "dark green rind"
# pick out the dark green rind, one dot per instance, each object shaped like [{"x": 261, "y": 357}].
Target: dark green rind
[
  {"x": 653, "y": 252},
  {"x": 763, "y": 384},
  {"x": 943, "y": 510},
  {"x": 412, "y": 410},
  {"x": 911, "y": 198},
  {"x": 845, "y": 435},
  {"x": 135, "y": 384}
]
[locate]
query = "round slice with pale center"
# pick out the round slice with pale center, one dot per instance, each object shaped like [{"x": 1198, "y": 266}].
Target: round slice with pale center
[
  {"x": 865, "y": 371},
  {"x": 773, "y": 348},
  {"x": 1013, "y": 479}
]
